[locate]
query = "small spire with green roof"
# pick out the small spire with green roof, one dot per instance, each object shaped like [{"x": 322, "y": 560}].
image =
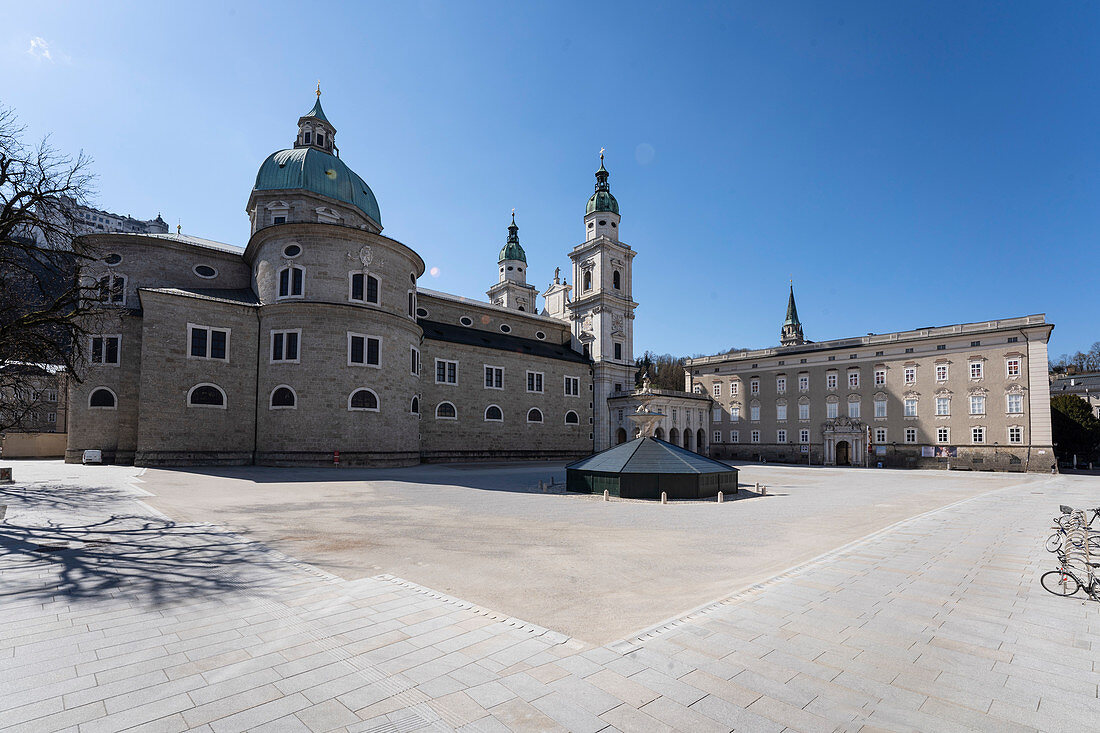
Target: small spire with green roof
[
  {"x": 791, "y": 333},
  {"x": 512, "y": 250}
]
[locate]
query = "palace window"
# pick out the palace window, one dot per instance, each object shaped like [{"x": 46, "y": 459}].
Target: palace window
[
  {"x": 910, "y": 374},
  {"x": 284, "y": 345},
  {"x": 445, "y": 411},
  {"x": 1015, "y": 403},
  {"x": 363, "y": 399},
  {"x": 910, "y": 435},
  {"x": 364, "y": 288},
  {"x": 735, "y": 436},
  {"x": 754, "y": 413},
  {"x": 588, "y": 280},
  {"x": 943, "y": 435},
  {"x": 534, "y": 415},
  {"x": 364, "y": 350},
  {"x": 853, "y": 379},
  {"x": 910, "y": 407},
  {"x": 780, "y": 412},
  {"x": 977, "y": 434},
  {"x": 803, "y": 382},
  {"x": 831, "y": 409},
  {"x": 976, "y": 370},
  {"x": 977, "y": 404},
  {"x": 717, "y": 389},
  {"x": 534, "y": 382},
  {"x": 105, "y": 350},
  {"x": 493, "y": 413},
  {"x": 880, "y": 377},
  {"x": 734, "y": 389},
  {"x": 494, "y": 377},
  {"x": 943, "y": 406},
  {"x": 853, "y": 409},
  {"x": 291, "y": 282},
  {"x": 803, "y": 436},
  {"x": 1015, "y": 434},
  {"x": 780, "y": 436},
  {"x": 941, "y": 372},
  {"x": 754, "y": 437},
  {"x": 206, "y": 395},
  {"x": 780, "y": 384},
  {"x": 735, "y": 414},
  {"x": 572, "y": 387},
  {"x": 716, "y": 414},
  {"x": 208, "y": 343},
  {"x": 618, "y": 350},
  {"x": 830, "y": 380},
  {"x": 414, "y": 361},
  {"x": 880, "y": 408},
  {"x": 1012, "y": 367},
  {"x": 880, "y": 435},
  {"x": 754, "y": 386},
  {"x": 446, "y": 372},
  {"x": 717, "y": 436}
]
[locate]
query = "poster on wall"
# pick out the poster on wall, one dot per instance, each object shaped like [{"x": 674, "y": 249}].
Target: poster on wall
[
  {"x": 927, "y": 451},
  {"x": 945, "y": 452},
  {"x": 880, "y": 450}
]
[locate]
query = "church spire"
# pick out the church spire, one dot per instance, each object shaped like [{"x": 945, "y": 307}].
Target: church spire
[{"x": 791, "y": 333}]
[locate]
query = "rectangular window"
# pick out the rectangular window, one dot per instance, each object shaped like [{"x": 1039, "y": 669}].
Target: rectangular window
[
  {"x": 780, "y": 436},
  {"x": 734, "y": 389},
  {"x": 717, "y": 436},
  {"x": 975, "y": 343},
  {"x": 780, "y": 384},
  {"x": 910, "y": 407},
  {"x": 941, "y": 347},
  {"x": 291, "y": 282},
  {"x": 754, "y": 412},
  {"x": 880, "y": 435},
  {"x": 941, "y": 372},
  {"x": 880, "y": 377},
  {"x": 51, "y": 417},
  {"x": 372, "y": 289},
  {"x": 910, "y": 375},
  {"x": 572, "y": 387},
  {"x": 830, "y": 380},
  {"x": 717, "y": 389},
  {"x": 977, "y": 404},
  {"x": 943, "y": 406},
  {"x": 803, "y": 382},
  {"x": 754, "y": 386},
  {"x": 831, "y": 410},
  {"x": 909, "y": 350},
  {"x": 279, "y": 220},
  {"x": 943, "y": 435},
  {"x": 853, "y": 379},
  {"x": 1015, "y": 403},
  {"x": 755, "y": 436},
  {"x": 446, "y": 372},
  {"x": 780, "y": 412},
  {"x": 363, "y": 350},
  {"x": 977, "y": 434},
  {"x": 735, "y": 414},
  {"x": 1015, "y": 434},
  {"x": 803, "y": 436},
  {"x": 208, "y": 343},
  {"x": 494, "y": 377},
  {"x": 910, "y": 435},
  {"x": 618, "y": 351},
  {"x": 880, "y": 408},
  {"x": 112, "y": 289},
  {"x": 105, "y": 350},
  {"x": 534, "y": 381},
  {"x": 1012, "y": 367},
  {"x": 1013, "y": 339},
  {"x": 735, "y": 436},
  {"x": 853, "y": 409},
  {"x": 51, "y": 395},
  {"x": 414, "y": 360},
  {"x": 357, "y": 289},
  {"x": 975, "y": 370},
  {"x": 804, "y": 411},
  {"x": 716, "y": 414},
  {"x": 284, "y": 345}
]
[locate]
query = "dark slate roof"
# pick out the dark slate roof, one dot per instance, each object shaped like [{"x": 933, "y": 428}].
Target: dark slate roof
[
  {"x": 237, "y": 296},
  {"x": 437, "y": 331},
  {"x": 649, "y": 455}
]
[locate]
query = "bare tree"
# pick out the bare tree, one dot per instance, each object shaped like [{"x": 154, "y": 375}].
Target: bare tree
[{"x": 44, "y": 311}]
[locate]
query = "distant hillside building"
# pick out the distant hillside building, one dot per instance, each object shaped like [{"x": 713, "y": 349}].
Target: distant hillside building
[{"x": 1085, "y": 385}]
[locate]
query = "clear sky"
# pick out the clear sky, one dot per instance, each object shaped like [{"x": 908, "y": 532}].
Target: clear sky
[{"x": 907, "y": 163}]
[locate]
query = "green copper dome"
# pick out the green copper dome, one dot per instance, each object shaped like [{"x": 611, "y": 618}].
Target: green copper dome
[
  {"x": 602, "y": 200},
  {"x": 320, "y": 172},
  {"x": 512, "y": 250},
  {"x": 317, "y": 111}
]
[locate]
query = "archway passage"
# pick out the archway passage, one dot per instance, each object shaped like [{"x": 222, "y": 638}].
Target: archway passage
[
  {"x": 659, "y": 434},
  {"x": 687, "y": 438},
  {"x": 843, "y": 457},
  {"x": 620, "y": 437},
  {"x": 674, "y": 436},
  {"x": 701, "y": 439}
]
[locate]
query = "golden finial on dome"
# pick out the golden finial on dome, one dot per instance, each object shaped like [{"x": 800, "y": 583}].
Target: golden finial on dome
[
  {"x": 601, "y": 155},
  {"x": 318, "y": 89}
]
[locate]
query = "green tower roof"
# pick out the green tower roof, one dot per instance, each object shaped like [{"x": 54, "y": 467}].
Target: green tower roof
[
  {"x": 317, "y": 111},
  {"x": 320, "y": 172},
  {"x": 602, "y": 200},
  {"x": 512, "y": 250},
  {"x": 792, "y": 312}
]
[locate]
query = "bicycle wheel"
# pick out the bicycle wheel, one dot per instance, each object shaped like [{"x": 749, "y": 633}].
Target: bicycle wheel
[
  {"x": 1054, "y": 542},
  {"x": 1059, "y": 583}
]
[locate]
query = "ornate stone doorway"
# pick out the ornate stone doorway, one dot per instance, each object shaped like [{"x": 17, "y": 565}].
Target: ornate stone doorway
[
  {"x": 845, "y": 442},
  {"x": 842, "y": 449}
]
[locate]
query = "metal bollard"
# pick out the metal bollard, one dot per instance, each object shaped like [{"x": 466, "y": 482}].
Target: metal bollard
[
  {"x": 763, "y": 490},
  {"x": 758, "y": 487},
  {"x": 606, "y": 495},
  {"x": 664, "y": 497},
  {"x": 542, "y": 486},
  {"x": 721, "y": 497}
]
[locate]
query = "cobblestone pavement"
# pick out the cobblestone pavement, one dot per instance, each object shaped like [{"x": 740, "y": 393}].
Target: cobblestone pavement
[{"x": 113, "y": 617}]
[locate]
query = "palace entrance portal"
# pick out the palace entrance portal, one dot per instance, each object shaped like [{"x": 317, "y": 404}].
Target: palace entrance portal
[
  {"x": 842, "y": 451},
  {"x": 845, "y": 442}
]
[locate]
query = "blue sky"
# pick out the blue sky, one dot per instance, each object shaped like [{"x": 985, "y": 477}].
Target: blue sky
[{"x": 907, "y": 164}]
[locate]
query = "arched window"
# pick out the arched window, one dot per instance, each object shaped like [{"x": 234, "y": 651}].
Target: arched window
[
  {"x": 206, "y": 395},
  {"x": 412, "y": 303},
  {"x": 616, "y": 281},
  {"x": 414, "y": 408},
  {"x": 534, "y": 415},
  {"x": 102, "y": 397},
  {"x": 588, "y": 280},
  {"x": 571, "y": 418},
  {"x": 494, "y": 414},
  {"x": 283, "y": 398},
  {"x": 291, "y": 282},
  {"x": 363, "y": 399},
  {"x": 446, "y": 411}
]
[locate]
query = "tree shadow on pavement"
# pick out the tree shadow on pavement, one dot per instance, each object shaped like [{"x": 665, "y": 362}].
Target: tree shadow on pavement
[{"x": 146, "y": 559}]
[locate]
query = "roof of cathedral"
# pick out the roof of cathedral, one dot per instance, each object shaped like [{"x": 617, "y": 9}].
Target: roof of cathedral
[
  {"x": 436, "y": 331},
  {"x": 236, "y": 296},
  {"x": 602, "y": 200},
  {"x": 512, "y": 250},
  {"x": 792, "y": 312},
  {"x": 649, "y": 455},
  {"x": 317, "y": 112},
  {"x": 320, "y": 172}
]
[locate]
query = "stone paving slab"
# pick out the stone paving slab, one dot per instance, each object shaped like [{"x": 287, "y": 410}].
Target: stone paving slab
[{"x": 114, "y": 618}]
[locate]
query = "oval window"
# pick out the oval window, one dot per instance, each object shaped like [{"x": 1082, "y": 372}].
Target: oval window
[
  {"x": 292, "y": 250},
  {"x": 603, "y": 223},
  {"x": 205, "y": 271},
  {"x": 466, "y": 321},
  {"x": 540, "y": 335},
  {"x": 421, "y": 313},
  {"x": 505, "y": 328},
  {"x": 113, "y": 259}
]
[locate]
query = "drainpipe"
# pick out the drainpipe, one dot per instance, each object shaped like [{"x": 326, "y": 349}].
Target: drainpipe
[
  {"x": 256, "y": 417},
  {"x": 1027, "y": 461}
]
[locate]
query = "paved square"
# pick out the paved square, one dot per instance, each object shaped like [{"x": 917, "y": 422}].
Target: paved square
[{"x": 115, "y": 618}]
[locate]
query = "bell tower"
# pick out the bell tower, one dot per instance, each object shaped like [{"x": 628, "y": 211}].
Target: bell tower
[
  {"x": 602, "y": 311},
  {"x": 512, "y": 290},
  {"x": 791, "y": 333}
]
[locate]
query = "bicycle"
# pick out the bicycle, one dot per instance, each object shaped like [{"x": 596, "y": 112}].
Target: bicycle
[{"x": 1064, "y": 582}]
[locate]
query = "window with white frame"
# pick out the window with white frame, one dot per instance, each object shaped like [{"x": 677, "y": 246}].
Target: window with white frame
[
  {"x": 717, "y": 389},
  {"x": 830, "y": 380},
  {"x": 853, "y": 409},
  {"x": 284, "y": 346},
  {"x": 780, "y": 384},
  {"x": 977, "y": 434},
  {"x": 803, "y": 382},
  {"x": 51, "y": 417},
  {"x": 880, "y": 377},
  {"x": 534, "y": 415},
  {"x": 941, "y": 372},
  {"x": 977, "y": 404},
  {"x": 943, "y": 435},
  {"x": 735, "y": 413},
  {"x": 880, "y": 408},
  {"x": 446, "y": 372},
  {"x": 364, "y": 350},
  {"x": 734, "y": 389},
  {"x": 534, "y": 382},
  {"x": 754, "y": 437},
  {"x": 717, "y": 436},
  {"x": 754, "y": 412},
  {"x": 572, "y": 418},
  {"x": 206, "y": 395},
  {"x": 716, "y": 414},
  {"x": 1015, "y": 434},
  {"x": 754, "y": 386},
  {"x": 1015, "y": 404},
  {"x": 363, "y": 399},
  {"x": 493, "y": 413},
  {"x": 1012, "y": 367},
  {"x": 284, "y": 397},
  {"x": 363, "y": 288},
  {"x": 291, "y": 282},
  {"x": 853, "y": 379},
  {"x": 735, "y": 436},
  {"x": 804, "y": 411},
  {"x": 494, "y": 377},
  {"x": 572, "y": 387},
  {"x": 910, "y": 435},
  {"x": 803, "y": 436},
  {"x": 910, "y": 374},
  {"x": 910, "y": 406},
  {"x": 112, "y": 289},
  {"x": 831, "y": 410},
  {"x": 206, "y": 342},
  {"x": 976, "y": 370},
  {"x": 414, "y": 361},
  {"x": 781, "y": 412},
  {"x": 780, "y": 436},
  {"x": 105, "y": 350},
  {"x": 445, "y": 411},
  {"x": 880, "y": 435}
]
